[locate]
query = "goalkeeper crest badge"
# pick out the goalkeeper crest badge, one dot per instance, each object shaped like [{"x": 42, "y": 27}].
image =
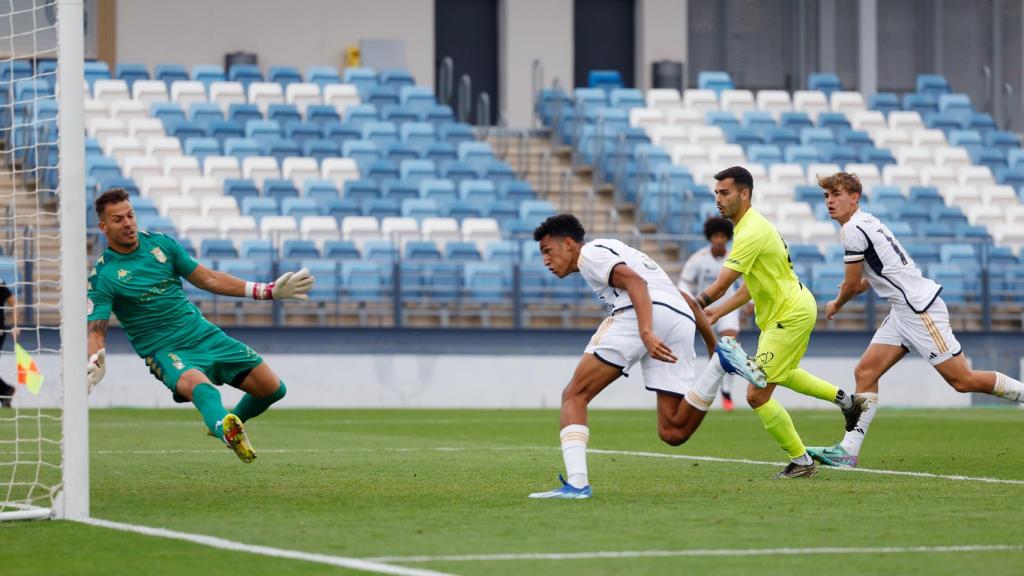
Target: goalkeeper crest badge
[{"x": 160, "y": 256}]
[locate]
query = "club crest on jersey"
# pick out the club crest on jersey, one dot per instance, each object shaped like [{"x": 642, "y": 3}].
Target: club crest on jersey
[
  {"x": 160, "y": 256},
  {"x": 123, "y": 275}
]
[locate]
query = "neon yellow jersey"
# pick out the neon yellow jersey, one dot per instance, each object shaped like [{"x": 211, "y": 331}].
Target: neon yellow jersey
[{"x": 761, "y": 255}]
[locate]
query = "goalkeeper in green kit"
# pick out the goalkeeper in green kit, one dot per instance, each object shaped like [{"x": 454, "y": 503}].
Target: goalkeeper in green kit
[{"x": 138, "y": 278}]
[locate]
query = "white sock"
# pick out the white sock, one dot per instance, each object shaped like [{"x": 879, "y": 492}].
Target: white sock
[
  {"x": 854, "y": 438},
  {"x": 1008, "y": 388},
  {"x": 706, "y": 388},
  {"x": 574, "y": 452},
  {"x": 804, "y": 460}
]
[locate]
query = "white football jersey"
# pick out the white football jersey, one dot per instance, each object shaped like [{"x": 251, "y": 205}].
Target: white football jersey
[
  {"x": 700, "y": 271},
  {"x": 599, "y": 257},
  {"x": 889, "y": 268}
]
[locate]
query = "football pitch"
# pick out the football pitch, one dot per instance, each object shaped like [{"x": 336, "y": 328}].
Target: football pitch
[{"x": 444, "y": 491}]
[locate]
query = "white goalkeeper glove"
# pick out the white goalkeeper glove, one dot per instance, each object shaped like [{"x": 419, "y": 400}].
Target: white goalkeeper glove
[
  {"x": 96, "y": 368},
  {"x": 290, "y": 286}
]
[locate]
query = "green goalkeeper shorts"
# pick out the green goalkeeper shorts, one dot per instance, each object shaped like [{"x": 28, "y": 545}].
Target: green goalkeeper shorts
[{"x": 223, "y": 359}]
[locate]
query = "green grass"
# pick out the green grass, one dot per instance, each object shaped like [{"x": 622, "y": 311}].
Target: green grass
[{"x": 367, "y": 484}]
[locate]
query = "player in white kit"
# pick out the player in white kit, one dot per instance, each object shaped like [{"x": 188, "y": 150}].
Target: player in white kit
[
  {"x": 918, "y": 320},
  {"x": 651, "y": 323},
  {"x": 700, "y": 271}
]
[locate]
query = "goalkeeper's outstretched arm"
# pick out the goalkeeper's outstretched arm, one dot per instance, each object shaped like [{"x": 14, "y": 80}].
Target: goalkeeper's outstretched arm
[
  {"x": 97, "y": 365},
  {"x": 291, "y": 285}
]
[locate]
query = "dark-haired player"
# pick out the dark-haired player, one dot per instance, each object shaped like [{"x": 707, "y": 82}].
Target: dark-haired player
[
  {"x": 651, "y": 323},
  {"x": 700, "y": 270},
  {"x": 138, "y": 278}
]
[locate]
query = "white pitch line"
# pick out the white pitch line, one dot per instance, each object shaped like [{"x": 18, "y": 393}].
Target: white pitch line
[
  {"x": 908, "y": 473},
  {"x": 956, "y": 477},
  {"x": 214, "y": 542},
  {"x": 722, "y": 552}
]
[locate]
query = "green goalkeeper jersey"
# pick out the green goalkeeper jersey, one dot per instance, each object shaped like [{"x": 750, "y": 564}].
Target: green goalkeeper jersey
[{"x": 143, "y": 289}]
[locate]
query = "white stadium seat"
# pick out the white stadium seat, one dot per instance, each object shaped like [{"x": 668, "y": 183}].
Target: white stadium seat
[{"x": 664, "y": 98}]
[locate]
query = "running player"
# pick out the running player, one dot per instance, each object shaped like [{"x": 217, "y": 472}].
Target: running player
[
  {"x": 650, "y": 323},
  {"x": 700, "y": 270},
  {"x": 918, "y": 317},
  {"x": 785, "y": 312},
  {"x": 138, "y": 278}
]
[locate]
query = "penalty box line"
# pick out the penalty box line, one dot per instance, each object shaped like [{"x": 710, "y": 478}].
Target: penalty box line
[
  {"x": 373, "y": 566},
  {"x": 704, "y": 553}
]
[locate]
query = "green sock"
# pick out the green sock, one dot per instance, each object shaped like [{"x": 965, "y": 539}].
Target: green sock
[
  {"x": 778, "y": 423},
  {"x": 808, "y": 384},
  {"x": 250, "y": 406},
  {"x": 208, "y": 402}
]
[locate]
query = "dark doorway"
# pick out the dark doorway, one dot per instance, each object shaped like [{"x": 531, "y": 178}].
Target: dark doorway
[
  {"x": 604, "y": 38},
  {"x": 467, "y": 32}
]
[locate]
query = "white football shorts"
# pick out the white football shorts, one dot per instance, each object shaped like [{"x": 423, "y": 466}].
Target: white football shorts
[
  {"x": 617, "y": 342},
  {"x": 928, "y": 333}
]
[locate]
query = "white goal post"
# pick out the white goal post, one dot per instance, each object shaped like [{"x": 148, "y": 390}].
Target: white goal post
[{"x": 44, "y": 440}]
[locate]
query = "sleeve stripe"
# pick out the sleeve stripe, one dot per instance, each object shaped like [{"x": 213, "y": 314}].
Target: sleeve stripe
[
  {"x": 854, "y": 252},
  {"x": 851, "y": 259}
]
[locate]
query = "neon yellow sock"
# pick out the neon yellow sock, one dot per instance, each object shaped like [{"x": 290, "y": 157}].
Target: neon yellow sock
[
  {"x": 778, "y": 423},
  {"x": 808, "y": 384}
]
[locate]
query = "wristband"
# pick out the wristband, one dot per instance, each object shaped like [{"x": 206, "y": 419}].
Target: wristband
[{"x": 259, "y": 290}]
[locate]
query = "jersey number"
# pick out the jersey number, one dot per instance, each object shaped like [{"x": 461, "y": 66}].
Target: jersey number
[
  {"x": 895, "y": 246},
  {"x": 786, "y": 246}
]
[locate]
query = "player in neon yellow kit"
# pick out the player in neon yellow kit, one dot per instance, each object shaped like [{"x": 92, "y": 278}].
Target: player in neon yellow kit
[
  {"x": 785, "y": 312},
  {"x": 138, "y": 278}
]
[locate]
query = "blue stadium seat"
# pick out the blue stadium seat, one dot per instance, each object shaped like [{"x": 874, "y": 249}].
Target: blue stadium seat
[
  {"x": 319, "y": 189},
  {"x": 923, "y": 104},
  {"x": 926, "y": 196},
  {"x": 217, "y": 248},
  {"x": 758, "y": 120},
  {"x": 460, "y": 210},
  {"x": 360, "y": 150},
  {"x": 487, "y": 282},
  {"x": 979, "y": 121},
  {"x": 627, "y": 98},
  {"x": 379, "y": 169},
  {"x": 923, "y": 254},
  {"x": 208, "y": 73},
  {"x": 438, "y": 115},
  {"x": 242, "y": 148},
  {"x": 202, "y": 147},
  {"x": 714, "y": 80},
  {"x": 322, "y": 114},
  {"x": 381, "y": 208},
  {"x": 457, "y": 171},
  {"x": 825, "y": 82},
  {"x": 299, "y": 249},
  {"x": 170, "y": 73},
  {"x": 724, "y": 119},
  {"x": 956, "y": 288},
  {"x": 205, "y": 113},
  {"x": 359, "y": 114},
  {"x": 958, "y": 254},
  {"x": 825, "y": 277},
  {"x": 362, "y": 190},
  {"x": 604, "y": 79},
  {"x": 130, "y": 73},
  {"x": 516, "y": 190},
  {"x": 420, "y": 208},
  {"x": 834, "y": 121},
  {"x": 341, "y": 133},
  {"x": 417, "y": 170},
  {"x": 795, "y": 120},
  {"x": 933, "y": 84},
  {"x": 341, "y": 250},
  {"x": 766, "y": 154},
  {"x": 299, "y": 207},
  {"x": 223, "y": 130},
  {"x": 536, "y": 211},
  {"x": 362, "y": 78},
  {"x": 363, "y": 281},
  {"x": 418, "y": 133},
  {"x": 455, "y": 133},
  {"x": 240, "y": 189},
  {"x": 438, "y": 190},
  {"x": 283, "y": 75},
  {"x": 283, "y": 114},
  {"x": 322, "y": 75},
  {"x": 781, "y": 137},
  {"x": 380, "y": 132},
  {"x": 461, "y": 252},
  {"x": 399, "y": 190},
  {"x": 802, "y": 155},
  {"x": 96, "y": 70},
  {"x": 258, "y": 207},
  {"x": 417, "y": 98},
  {"x": 245, "y": 74},
  {"x": 816, "y": 137},
  {"x": 421, "y": 250}
]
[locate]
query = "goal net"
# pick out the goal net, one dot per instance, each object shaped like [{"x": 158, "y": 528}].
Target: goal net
[{"x": 43, "y": 423}]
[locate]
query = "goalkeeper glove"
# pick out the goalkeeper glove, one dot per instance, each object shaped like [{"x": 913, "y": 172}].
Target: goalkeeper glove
[
  {"x": 291, "y": 285},
  {"x": 96, "y": 368}
]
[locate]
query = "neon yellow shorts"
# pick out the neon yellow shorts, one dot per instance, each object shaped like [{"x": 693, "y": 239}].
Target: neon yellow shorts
[{"x": 783, "y": 343}]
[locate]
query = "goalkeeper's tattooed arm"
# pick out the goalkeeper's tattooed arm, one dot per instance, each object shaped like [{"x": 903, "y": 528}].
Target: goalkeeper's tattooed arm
[
  {"x": 97, "y": 335},
  {"x": 291, "y": 285}
]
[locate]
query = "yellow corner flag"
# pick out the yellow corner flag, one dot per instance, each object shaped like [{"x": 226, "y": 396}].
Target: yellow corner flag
[{"x": 28, "y": 374}]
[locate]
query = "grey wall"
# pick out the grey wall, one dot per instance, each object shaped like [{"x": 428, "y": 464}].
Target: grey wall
[
  {"x": 529, "y": 30},
  {"x": 297, "y": 32},
  {"x": 660, "y": 35}
]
